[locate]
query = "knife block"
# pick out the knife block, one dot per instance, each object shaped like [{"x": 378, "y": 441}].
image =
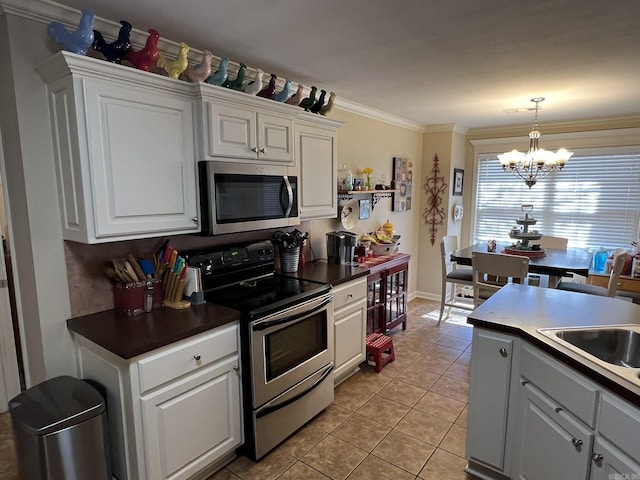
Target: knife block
[{"x": 130, "y": 299}]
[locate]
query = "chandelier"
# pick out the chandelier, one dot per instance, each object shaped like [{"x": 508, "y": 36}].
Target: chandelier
[{"x": 537, "y": 163}]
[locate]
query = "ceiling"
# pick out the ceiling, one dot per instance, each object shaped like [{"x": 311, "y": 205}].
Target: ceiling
[{"x": 464, "y": 62}]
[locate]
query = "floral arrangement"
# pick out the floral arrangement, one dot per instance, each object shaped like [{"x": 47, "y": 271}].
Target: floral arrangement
[{"x": 368, "y": 171}]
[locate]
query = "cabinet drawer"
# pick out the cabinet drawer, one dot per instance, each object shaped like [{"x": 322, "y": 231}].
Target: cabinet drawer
[
  {"x": 348, "y": 293},
  {"x": 187, "y": 357},
  {"x": 565, "y": 386},
  {"x": 619, "y": 422}
]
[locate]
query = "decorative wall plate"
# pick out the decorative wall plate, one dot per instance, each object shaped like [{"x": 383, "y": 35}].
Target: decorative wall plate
[{"x": 458, "y": 212}]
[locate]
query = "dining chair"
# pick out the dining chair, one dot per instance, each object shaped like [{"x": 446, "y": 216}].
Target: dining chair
[
  {"x": 492, "y": 271},
  {"x": 451, "y": 277},
  {"x": 558, "y": 243},
  {"x": 612, "y": 286}
]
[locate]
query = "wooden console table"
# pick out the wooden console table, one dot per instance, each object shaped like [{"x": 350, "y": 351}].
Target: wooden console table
[{"x": 387, "y": 290}]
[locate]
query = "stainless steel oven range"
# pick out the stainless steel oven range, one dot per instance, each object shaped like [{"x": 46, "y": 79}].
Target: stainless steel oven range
[{"x": 286, "y": 340}]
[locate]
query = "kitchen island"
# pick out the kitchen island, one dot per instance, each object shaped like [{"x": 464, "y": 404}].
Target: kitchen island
[{"x": 540, "y": 410}]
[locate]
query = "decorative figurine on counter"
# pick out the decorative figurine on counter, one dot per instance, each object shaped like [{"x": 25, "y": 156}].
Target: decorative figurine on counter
[
  {"x": 327, "y": 108},
  {"x": 308, "y": 102},
  {"x": 201, "y": 72},
  {"x": 238, "y": 82},
  {"x": 256, "y": 85},
  {"x": 283, "y": 94},
  {"x": 143, "y": 59},
  {"x": 296, "y": 98},
  {"x": 78, "y": 41},
  {"x": 267, "y": 92},
  {"x": 220, "y": 76},
  {"x": 115, "y": 51},
  {"x": 315, "y": 108},
  {"x": 174, "y": 67}
]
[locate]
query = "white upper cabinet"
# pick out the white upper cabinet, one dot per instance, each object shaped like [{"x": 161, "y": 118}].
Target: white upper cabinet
[
  {"x": 124, "y": 150},
  {"x": 239, "y": 127},
  {"x": 317, "y": 152}
]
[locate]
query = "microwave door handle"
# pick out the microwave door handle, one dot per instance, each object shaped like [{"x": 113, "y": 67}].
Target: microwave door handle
[
  {"x": 289, "y": 206},
  {"x": 265, "y": 325}
]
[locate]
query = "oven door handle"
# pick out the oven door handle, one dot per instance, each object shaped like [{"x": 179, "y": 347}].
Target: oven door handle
[
  {"x": 270, "y": 409},
  {"x": 264, "y": 325}
]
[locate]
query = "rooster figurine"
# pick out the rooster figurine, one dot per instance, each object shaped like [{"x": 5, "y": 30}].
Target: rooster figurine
[
  {"x": 319, "y": 103},
  {"x": 327, "y": 108},
  {"x": 296, "y": 98},
  {"x": 220, "y": 76},
  {"x": 78, "y": 41},
  {"x": 256, "y": 85},
  {"x": 238, "y": 82},
  {"x": 202, "y": 71},
  {"x": 267, "y": 92},
  {"x": 116, "y": 50},
  {"x": 174, "y": 67},
  {"x": 283, "y": 94},
  {"x": 143, "y": 59},
  {"x": 308, "y": 102}
]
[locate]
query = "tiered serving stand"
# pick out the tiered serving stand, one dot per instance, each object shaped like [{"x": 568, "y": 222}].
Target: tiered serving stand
[{"x": 524, "y": 236}]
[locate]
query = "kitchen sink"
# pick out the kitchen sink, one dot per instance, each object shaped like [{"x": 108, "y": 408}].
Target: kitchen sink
[{"x": 615, "y": 347}]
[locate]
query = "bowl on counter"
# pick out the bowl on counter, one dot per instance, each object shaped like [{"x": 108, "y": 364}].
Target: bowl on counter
[{"x": 384, "y": 248}]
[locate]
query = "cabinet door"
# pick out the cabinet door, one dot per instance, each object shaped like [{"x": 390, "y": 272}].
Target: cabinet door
[
  {"x": 609, "y": 463},
  {"x": 141, "y": 160},
  {"x": 395, "y": 283},
  {"x": 375, "y": 303},
  {"x": 550, "y": 442},
  {"x": 232, "y": 131},
  {"x": 489, "y": 391},
  {"x": 350, "y": 333},
  {"x": 275, "y": 138},
  {"x": 192, "y": 422},
  {"x": 317, "y": 153}
]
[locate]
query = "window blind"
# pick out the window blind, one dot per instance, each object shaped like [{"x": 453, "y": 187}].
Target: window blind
[{"x": 594, "y": 201}]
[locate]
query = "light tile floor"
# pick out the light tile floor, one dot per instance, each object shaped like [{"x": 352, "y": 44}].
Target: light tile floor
[{"x": 407, "y": 422}]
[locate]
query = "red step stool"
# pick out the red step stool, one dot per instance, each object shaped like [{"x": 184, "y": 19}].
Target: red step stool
[{"x": 381, "y": 348}]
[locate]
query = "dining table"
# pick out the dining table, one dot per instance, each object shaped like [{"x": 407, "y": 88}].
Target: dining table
[{"x": 555, "y": 263}]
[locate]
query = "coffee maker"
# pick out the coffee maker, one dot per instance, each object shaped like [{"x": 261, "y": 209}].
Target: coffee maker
[{"x": 341, "y": 247}]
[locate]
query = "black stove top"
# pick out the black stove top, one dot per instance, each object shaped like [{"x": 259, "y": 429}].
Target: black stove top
[{"x": 244, "y": 278}]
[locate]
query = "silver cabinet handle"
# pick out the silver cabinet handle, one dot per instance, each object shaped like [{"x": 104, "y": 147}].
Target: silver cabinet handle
[
  {"x": 503, "y": 352},
  {"x": 576, "y": 443},
  {"x": 350, "y": 295},
  {"x": 262, "y": 150},
  {"x": 237, "y": 370},
  {"x": 197, "y": 357},
  {"x": 524, "y": 382},
  {"x": 558, "y": 410},
  {"x": 194, "y": 219},
  {"x": 597, "y": 457},
  {"x": 254, "y": 149}
]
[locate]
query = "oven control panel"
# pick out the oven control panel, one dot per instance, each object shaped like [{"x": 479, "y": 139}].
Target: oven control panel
[{"x": 232, "y": 259}]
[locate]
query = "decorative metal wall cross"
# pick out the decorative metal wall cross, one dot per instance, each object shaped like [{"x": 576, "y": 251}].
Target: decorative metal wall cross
[{"x": 434, "y": 187}]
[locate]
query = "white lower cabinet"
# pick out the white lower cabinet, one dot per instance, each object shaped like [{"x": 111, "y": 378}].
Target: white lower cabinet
[
  {"x": 350, "y": 316},
  {"x": 174, "y": 413},
  {"x": 535, "y": 418}
]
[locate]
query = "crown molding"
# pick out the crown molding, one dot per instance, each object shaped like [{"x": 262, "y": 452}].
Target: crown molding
[
  {"x": 362, "y": 110},
  {"x": 446, "y": 127}
]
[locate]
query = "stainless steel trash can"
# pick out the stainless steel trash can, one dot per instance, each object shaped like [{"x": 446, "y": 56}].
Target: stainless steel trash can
[{"x": 60, "y": 431}]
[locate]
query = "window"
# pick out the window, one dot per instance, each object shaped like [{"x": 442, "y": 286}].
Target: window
[{"x": 594, "y": 201}]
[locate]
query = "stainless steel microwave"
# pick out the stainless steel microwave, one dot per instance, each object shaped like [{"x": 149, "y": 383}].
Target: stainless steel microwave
[{"x": 240, "y": 197}]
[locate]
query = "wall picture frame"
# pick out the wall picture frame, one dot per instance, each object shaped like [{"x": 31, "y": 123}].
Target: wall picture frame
[
  {"x": 402, "y": 180},
  {"x": 365, "y": 209},
  {"x": 458, "y": 181}
]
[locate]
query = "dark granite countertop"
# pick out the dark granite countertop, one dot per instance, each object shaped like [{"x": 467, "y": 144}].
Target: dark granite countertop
[
  {"x": 521, "y": 310},
  {"x": 321, "y": 271},
  {"x": 128, "y": 337}
]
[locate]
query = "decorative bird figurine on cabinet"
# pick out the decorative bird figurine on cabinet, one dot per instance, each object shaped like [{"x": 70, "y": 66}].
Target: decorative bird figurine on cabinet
[
  {"x": 308, "y": 102},
  {"x": 143, "y": 59},
  {"x": 78, "y": 41},
  {"x": 296, "y": 98},
  {"x": 315, "y": 108},
  {"x": 238, "y": 82},
  {"x": 283, "y": 94},
  {"x": 174, "y": 67},
  {"x": 267, "y": 92},
  {"x": 201, "y": 72},
  {"x": 115, "y": 51},
  {"x": 220, "y": 76},
  {"x": 256, "y": 85},
  {"x": 327, "y": 108}
]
